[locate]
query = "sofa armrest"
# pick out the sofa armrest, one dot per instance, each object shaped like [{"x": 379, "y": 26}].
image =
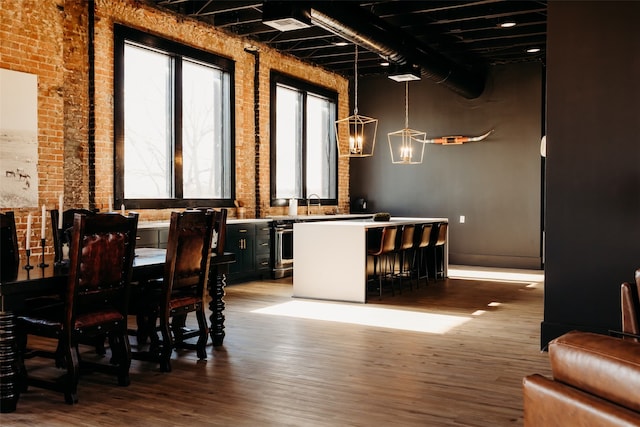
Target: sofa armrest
[
  {"x": 601, "y": 365},
  {"x": 549, "y": 403}
]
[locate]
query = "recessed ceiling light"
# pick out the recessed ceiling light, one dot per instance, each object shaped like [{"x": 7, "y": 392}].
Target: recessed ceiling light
[
  {"x": 385, "y": 63},
  {"x": 533, "y": 50},
  {"x": 508, "y": 24},
  {"x": 405, "y": 77},
  {"x": 341, "y": 43}
]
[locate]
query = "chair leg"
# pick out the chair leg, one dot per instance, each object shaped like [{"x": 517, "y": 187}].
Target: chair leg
[
  {"x": 124, "y": 359},
  {"x": 435, "y": 263},
  {"x": 423, "y": 263},
  {"x": 121, "y": 355},
  {"x": 99, "y": 344},
  {"x": 391, "y": 259},
  {"x": 380, "y": 278},
  {"x": 178, "y": 326},
  {"x": 167, "y": 345},
  {"x": 142, "y": 323},
  {"x": 416, "y": 264},
  {"x": 73, "y": 372},
  {"x": 201, "y": 346},
  {"x": 438, "y": 262},
  {"x": 406, "y": 267}
]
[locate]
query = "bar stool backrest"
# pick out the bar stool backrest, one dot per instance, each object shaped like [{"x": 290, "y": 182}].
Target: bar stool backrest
[
  {"x": 442, "y": 234},
  {"x": 425, "y": 237},
  {"x": 389, "y": 239},
  {"x": 407, "y": 237}
]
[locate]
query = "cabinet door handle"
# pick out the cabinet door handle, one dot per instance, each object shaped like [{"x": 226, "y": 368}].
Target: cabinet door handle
[
  {"x": 264, "y": 244},
  {"x": 243, "y": 230}
]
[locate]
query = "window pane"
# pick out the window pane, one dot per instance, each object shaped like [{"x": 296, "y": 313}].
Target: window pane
[
  {"x": 321, "y": 147},
  {"x": 204, "y": 136},
  {"x": 147, "y": 118},
  {"x": 288, "y": 143}
]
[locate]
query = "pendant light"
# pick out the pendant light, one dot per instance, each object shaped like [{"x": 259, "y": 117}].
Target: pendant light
[
  {"x": 356, "y": 134},
  {"x": 406, "y": 145}
]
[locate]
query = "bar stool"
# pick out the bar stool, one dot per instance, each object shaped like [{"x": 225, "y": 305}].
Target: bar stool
[
  {"x": 423, "y": 243},
  {"x": 440, "y": 240},
  {"x": 405, "y": 245},
  {"x": 383, "y": 253}
]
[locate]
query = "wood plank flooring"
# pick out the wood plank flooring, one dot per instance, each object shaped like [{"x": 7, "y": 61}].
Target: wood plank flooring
[{"x": 459, "y": 361}]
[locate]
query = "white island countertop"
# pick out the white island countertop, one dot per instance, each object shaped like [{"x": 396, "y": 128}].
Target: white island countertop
[
  {"x": 370, "y": 223},
  {"x": 330, "y": 257}
]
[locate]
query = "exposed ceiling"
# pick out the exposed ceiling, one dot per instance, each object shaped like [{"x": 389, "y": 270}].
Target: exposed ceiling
[{"x": 448, "y": 40}]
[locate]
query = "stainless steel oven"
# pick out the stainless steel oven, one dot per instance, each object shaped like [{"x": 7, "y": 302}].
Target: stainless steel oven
[{"x": 283, "y": 249}]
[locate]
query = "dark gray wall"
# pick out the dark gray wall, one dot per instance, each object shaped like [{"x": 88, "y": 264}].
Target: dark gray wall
[
  {"x": 495, "y": 183},
  {"x": 593, "y": 163}
]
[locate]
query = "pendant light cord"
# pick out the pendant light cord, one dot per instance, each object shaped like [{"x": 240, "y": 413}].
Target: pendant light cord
[
  {"x": 406, "y": 105},
  {"x": 355, "y": 67}
]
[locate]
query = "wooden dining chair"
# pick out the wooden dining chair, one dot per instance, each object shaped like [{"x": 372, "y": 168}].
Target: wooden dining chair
[
  {"x": 62, "y": 236},
  {"x": 220, "y": 231},
  {"x": 182, "y": 288},
  {"x": 95, "y": 303},
  {"x": 178, "y": 323},
  {"x": 10, "y": 258}
]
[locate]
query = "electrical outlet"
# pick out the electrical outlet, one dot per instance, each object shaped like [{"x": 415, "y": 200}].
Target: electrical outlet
[{"x": 462, "y": 219}]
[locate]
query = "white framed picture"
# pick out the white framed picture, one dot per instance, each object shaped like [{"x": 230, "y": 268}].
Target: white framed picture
[{"x": 18, "y": 139}]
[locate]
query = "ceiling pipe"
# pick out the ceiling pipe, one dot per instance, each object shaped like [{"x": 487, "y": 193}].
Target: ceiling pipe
[{"x": 372, "y": 33}]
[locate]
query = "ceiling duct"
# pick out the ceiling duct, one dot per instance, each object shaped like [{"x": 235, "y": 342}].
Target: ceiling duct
[{"x": 374, "y": 34}]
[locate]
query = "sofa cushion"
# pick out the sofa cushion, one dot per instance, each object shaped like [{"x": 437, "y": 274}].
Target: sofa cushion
[
  {"x": 550, "y": 403},
  {"x": 605, "y": 366}
]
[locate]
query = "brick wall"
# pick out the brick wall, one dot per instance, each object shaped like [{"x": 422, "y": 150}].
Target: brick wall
[
  {"x": 49, "y": 38},
  {"x": 32, "y": 40}
]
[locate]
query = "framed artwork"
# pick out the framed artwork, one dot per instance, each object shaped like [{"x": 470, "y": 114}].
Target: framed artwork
[{"x": 18, "y": 139}]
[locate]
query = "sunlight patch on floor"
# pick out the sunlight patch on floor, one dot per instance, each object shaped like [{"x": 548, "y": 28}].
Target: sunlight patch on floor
[
  {"x": 367, "y": 315},
  {"x": 496, "y": 274}
]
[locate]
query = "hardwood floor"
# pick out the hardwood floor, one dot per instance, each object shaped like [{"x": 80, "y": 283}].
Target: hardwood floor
[{"x": 452, "y": 353}]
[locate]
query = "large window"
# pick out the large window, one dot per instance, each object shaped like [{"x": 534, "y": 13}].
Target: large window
[
  {"x": 303, "y": 147},
  {"x": 173, "y": 124}
]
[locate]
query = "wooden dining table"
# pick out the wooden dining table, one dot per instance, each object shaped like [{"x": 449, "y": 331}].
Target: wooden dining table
[{"x": 50, "y": 279}]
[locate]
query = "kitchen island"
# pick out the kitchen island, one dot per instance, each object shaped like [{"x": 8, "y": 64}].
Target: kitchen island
[{"x": 331, "y": 257}]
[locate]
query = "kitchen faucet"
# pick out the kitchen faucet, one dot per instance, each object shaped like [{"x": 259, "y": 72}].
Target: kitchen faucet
[{"x": 309, "y": 202}]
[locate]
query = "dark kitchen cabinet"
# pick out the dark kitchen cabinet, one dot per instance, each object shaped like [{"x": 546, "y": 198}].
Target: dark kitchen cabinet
[
  {"x": 155, "y": 237},
  {"x": 263, "y": 250},
  {"x": 251, "y": 244},
  {"x": 249, "y": 241}
]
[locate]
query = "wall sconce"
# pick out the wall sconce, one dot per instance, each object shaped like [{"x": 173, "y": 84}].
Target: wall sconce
[
  {"x": 406, "y": 145},
  {"x": 360, "y": 130}
]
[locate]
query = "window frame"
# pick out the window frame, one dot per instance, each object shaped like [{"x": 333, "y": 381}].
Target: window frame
[
  {"x": 306, "y": 88},
  {"x": 122, "y": 34}
]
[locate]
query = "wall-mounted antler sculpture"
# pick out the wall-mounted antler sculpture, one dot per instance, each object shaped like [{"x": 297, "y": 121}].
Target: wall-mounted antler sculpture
[{"x": 456, "y": 140}]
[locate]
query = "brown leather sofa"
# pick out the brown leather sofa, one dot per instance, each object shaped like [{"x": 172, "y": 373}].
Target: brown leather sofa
[{"x": 596, "y": 382}]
